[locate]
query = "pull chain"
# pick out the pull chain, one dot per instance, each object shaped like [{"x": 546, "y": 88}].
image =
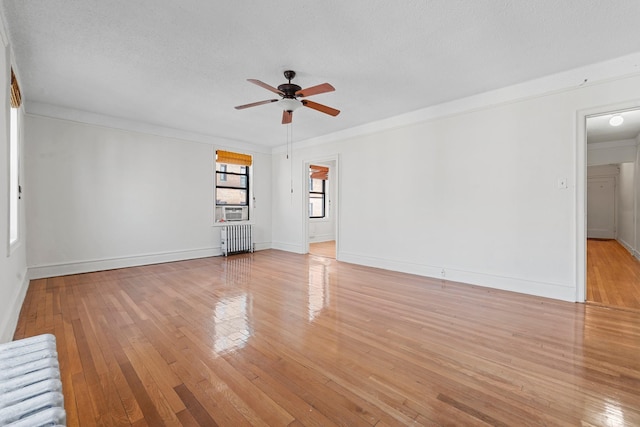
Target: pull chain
[{"x": 291, "y": 160}]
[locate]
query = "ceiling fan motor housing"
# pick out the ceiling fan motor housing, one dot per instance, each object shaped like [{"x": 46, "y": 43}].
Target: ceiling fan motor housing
[{"x": 289, "y": 90}]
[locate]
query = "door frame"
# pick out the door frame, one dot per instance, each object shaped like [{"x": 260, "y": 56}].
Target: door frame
[
  {"x": 580, "y": 254},
  {"x": 335, "y": 199}
]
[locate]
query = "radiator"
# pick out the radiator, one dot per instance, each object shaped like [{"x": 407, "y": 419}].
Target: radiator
[
  {"x": 237, "y": 238},
  {"x": 30, "y": 387}
]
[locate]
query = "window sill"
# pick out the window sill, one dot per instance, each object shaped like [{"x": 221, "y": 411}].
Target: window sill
[
  {"x": 325, "y": 219},
  {"x": 12, "y": 247},
  {"x": 223, "y": 223}
]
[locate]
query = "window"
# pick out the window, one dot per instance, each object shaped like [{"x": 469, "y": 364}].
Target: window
[
  {"x": 232, "y": 182},
  {"x": 318, "y": 176},
  {"x": 232, "y": 185},
  {"x": 14, "y": 161}
]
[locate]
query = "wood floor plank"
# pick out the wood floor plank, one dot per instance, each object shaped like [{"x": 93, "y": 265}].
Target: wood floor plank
[
  {"x": 275, "y": 338},
  {"x": 154, "y": 376},
  {"x": 188, "y": 420},
  {"x": 194, "y": 407},
  {"x": 219, "y": 409},
  {"x": 146, "y": 404},
  {"x": 85, "y": 412}
]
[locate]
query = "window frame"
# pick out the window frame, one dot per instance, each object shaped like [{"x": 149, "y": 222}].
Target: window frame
[
  {"x": 318, "y": 195},
  {"x": 223, "y": 178},
  {"x": 13, "y": 169}
]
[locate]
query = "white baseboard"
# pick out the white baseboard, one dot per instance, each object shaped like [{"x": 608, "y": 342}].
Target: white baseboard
[
  {"x": 63, "y": 269},
  {"x": 513, "y": 284},
  {"x": 600, "y": 234},
  {"x": 627, "y": 246},
  {"x": 260, "y": 246},
  {"x": 387, "y": 264},
  {"x": 298, "y": 249},
  {"x": 9, "y": 319},
  {"x": 322, "y": 238}
]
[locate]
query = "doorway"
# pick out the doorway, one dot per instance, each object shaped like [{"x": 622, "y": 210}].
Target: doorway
[
  {"x": 321, "y": 207},
  {"x": 612, "y": 214}
]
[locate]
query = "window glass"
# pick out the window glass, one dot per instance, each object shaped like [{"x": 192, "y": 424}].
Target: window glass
[
  {"x": 229, "y": 180},
  {"x": 231, "y": 196},
  {"x": 317, "y": 196},
  {"x": 316, "y": 185},
  {"x": 316, "y": 207}
]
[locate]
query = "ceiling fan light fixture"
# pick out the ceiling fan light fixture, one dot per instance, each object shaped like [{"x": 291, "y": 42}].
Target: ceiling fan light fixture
[
  {"x": 289, "y": 93},
  {"x": 616, "y": 120},
  {"x": 288, "y": 104}
]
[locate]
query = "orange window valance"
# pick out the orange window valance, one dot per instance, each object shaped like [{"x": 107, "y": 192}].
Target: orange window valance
[
  {"x": 232, "y": 158},
  {"x": 319, "y": 172},
  {"x": 16, "y": 97}
]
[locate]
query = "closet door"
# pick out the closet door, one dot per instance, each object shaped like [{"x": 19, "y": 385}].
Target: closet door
[{"x": 601, "y": 208}]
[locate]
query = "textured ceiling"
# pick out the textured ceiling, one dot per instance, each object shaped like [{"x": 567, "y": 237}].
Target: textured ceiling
[{"x": 184, "y": 64}]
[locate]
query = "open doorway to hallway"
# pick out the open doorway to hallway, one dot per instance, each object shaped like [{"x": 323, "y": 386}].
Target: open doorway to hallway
[
  {"x": 321, "y": 217},
  {"x": 613, "y": 217}
]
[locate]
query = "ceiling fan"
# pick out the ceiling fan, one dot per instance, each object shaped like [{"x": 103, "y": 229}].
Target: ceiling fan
[{"x": 289, "y": 93}]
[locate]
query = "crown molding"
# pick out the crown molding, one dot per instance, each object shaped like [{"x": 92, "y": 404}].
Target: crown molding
[
  {"x": 612, "y": 144},
  {"x": 88, "y": 118},
  {"x": 3, "y": 31},
  {"x": 590, "y": 75}
]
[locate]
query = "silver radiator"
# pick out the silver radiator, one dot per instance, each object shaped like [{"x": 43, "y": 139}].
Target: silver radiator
[
  {"x": 30, "y": 387},
  {"x": 236, "y": 239}
]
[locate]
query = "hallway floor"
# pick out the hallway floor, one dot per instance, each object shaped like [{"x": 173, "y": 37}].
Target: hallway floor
[
  {"x": 325, "y": 249},
  {"x": 613, "y": 275}
]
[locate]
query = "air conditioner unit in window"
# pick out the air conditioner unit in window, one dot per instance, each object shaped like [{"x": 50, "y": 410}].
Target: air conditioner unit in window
[{"x": 235, "y": 213}]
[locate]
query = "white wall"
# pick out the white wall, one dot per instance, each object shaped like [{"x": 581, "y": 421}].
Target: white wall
[
  {"x": 611, "y": 152},
  {"x": 480, "y": 200},
  {"x": 104, "y": 198},
  {"x": 13, "y": 268},
  {"x": 626, "y": 206}
]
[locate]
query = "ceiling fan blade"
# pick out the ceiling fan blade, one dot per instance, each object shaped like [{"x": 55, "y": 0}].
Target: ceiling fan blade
[
  {"x": 266, "y": 86},
  {"x": 255, "y": 104},
  {"x": 320, "y": 107},
  {"x": 287, "y": 116},
  {"x": 314, "y": 90}
]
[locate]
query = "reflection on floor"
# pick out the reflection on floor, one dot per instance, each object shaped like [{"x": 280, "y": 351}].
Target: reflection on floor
[
  {"x": 275, "y": 338},
  {"x": 613, "y": 275},
  {"x": 325, "y": 249}
]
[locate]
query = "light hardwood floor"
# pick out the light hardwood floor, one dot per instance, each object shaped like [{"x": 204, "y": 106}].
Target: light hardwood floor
[
  {"x": 325, "y": 249},
  {"x": 277, "y": 339},
  {"x": 613, "y": 275}
]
